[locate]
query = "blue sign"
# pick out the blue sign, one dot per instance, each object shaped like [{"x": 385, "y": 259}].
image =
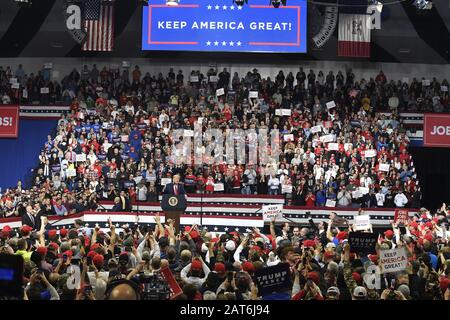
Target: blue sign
[{"x": 223, "y": 26}]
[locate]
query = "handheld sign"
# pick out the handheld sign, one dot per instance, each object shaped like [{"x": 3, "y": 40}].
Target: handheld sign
[
  {"x": 288, "y": 137},
  {"x": 393, "y": 260},
  {"x": 384, "y": 167},
  {"x": 272, "y": 211},
  {"x": 253, "y": 94},
  {"x": 194, "y": 79},
  {"x": 331, "y": 105},
  {"x": 332, "y": 146},
  {"x": 316, "y": 129},
  {"x": 165, "y": 181},
  {"x": 327, "y": 138},
  {"x": 362, "y": 222},
  {"x": 401, "y": 216},
  {"x": 273, "y": 279},
  {"x": 370, "y": 153},
  {"x": 362, "y": 242},
  {"x": 81, "y": 157},
  {"x": 220, "y": 92},
  {"x": 219, "y": 187}
]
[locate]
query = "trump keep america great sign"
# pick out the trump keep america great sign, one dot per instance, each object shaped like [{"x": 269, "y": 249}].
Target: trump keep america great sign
[{"x": 221, "y": 25}]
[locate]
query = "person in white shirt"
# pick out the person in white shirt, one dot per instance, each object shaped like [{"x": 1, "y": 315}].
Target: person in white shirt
[
  {"x": 400, "y": 199},
  {"x": 273, "y": 185},
  {"x": 365, "y": 181},
  {"x": 195, "y": 268},
  {"x": 380, "y": 198}
]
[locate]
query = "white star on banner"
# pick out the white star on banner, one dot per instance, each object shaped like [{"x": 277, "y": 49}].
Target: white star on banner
[
  {"x": 239, "y": 7},
  {"x": 216, "y": 43},
  {"x": 209, "y": 7},
  {"x": 208, "y": 43},
  {"x": 217, "y": 7},
  {"x": 237, "y": 229},
  {"x": 224, "y": 7},
  {"x": 231, "y": 7},
  {"x": 224, "y": 43},
  {"x": 226, "y": 229},
  {"x": 215, "y": 228},
  {"x": 231, "y": 43},
  {"x": 239, "y": 43}
]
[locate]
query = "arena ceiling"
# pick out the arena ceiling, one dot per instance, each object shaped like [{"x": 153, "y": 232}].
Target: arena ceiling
[{"x": 407, "y": 35}]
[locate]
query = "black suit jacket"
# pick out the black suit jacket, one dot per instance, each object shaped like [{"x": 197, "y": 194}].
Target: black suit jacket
[
  {"x": 26, "y": 220},
  {"x": 168, "y": 189}
]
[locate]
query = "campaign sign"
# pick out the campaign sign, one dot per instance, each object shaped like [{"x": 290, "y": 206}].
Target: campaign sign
[
  {"x": 204, "y": 25},
  {"x": 363, "y": 242},
  {"x": 272, "y": 211},
  {"x": 273, "y": 279},
  {"x": 9, "y": 121},
  {"x": 393, "y": 260},
  {"x": 401, "y": 216}
]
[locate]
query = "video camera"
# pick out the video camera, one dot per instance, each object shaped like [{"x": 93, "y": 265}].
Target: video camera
[{"x": 154, "y": 286}]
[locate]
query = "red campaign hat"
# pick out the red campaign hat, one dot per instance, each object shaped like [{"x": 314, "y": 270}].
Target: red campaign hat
[
  {"x": 26, "y": 229},
  {"x": 420, "y": 241},
  {"x": 373, "y": 258},
  {"x": 314, "y": 276},
  {"x": 42, "y": 251},
  {"x": 357, "y": 277},
  {"x": 389, "y": 234},
  {"x": 256, "y": 248},
  {"x": 52, "y": 233},
  {"x": 415, "y": 233},
  {"x": 98, "y": 260},
  {"x": 69, "y": 253},
  {"x": 428, "y": 237},
  {"x": 443, "y": 283},
  {"x": 196, "y": 265},
  {"x": 63, "y": 232},
  {"x": 429, "y": 225},
  {"x": 7, "y": 228},
  {"x": 54, "y": 245},
  {"x": 91, "y": 254},
  {"x": 329, "y": 255},
  {"x": 248, "y": 266},
  {"x": 342, "y": 235},
  {"x": 414, "y": 224},
  {"x": 352, "y": 256},
  {"x": 4, "y": 234},
  {"x": 187, "y": 228},
  {"x": 194, "y": 234},
  {"x": 95, "y": 246},
  {"x": 309, "y": 243},
  {"x": 219, "y": 267}
]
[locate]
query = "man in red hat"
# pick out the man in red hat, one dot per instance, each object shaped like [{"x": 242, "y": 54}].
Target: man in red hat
[{"x": 195, "y": 269}]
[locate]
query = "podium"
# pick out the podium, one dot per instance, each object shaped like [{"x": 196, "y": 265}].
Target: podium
[{"x": 174, "y": 206}]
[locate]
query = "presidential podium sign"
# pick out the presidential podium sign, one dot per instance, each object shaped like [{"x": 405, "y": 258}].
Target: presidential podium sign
[{"x": 174, "y": 206}]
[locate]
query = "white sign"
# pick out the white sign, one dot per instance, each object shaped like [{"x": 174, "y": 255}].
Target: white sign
[
  {"x": 81, "y": 157},
  {"x": 405, "y": 80},
  {"x": 194, "y": 78},
  {"x": 71, "y": 173},
  {"x": 364, "y": 190},
  {"x": 253, "y": 94},
  {"x": 327, "y": 138},
  {"x": 219, "y": 187},
  {"x": 370, "y": 153},
  {"x": 393, "y": 260},
  {"x": 15, "y": 86},
  {"x": 288, "y": 137},
  {"x": 333, "y": 146},
  {"x": 286, "y": 188},
  {"x": 384, "y": 167},
  {"x": 356, "y": 194},
  {"x": 286, "y": 112},
  {"x": 12, "y": 80},
  {"x": 272, "y": 211},
  {"x": 45, "y": 90},
  {"x": 444, "y": 88},
  {"x": 106, "y": 146},
  {"x": 200, "y": 120},
  {"x": 426, "y": 83},
  {"x": 362, "y": 222},
  {"x": 330, "y": 203},
  {"x": 48, "y": 65},
  {"x": 220, "y": 92},
  {"x": 188, "y": 133},
  {"x": 213, "y": 78},
  {"x": 278, "y": 112},
  {"x": 55, "y": 74},
  {"x": 165, "y": 181},
  {"x": 316, "y": 129},
  {"x": 124, "y": 138},
  {"x": 126, "y": 64},
  {"x": 25, "y": 93},
  {"x": 331, "y": 105}
]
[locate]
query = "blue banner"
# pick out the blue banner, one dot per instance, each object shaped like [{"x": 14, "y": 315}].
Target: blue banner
[{"x": 222, "y": 26}]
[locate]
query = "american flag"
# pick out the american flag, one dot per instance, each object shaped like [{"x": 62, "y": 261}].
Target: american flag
[{"x": 99, "y": 25}]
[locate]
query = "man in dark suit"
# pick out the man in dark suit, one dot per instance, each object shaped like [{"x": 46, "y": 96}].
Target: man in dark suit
[
  {"x": 29, "y": 218},
  {"x": 175, "y": 187}
]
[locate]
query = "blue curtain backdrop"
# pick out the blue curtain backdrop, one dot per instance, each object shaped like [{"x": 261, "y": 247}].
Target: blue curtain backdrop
[{"x": 20, "y": 156}]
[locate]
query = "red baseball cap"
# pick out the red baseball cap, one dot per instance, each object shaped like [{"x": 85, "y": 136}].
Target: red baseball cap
[{"x": 196, "y": 265}]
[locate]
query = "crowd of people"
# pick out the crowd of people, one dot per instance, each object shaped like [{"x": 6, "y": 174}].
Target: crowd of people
[
  {"x": 134, "y": 262},
  {"x": 116, "y": 144}
]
